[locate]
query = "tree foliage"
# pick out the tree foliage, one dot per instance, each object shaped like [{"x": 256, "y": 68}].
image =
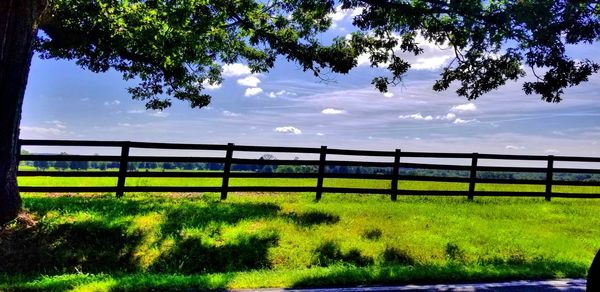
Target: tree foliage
[
  {"x": 492, "y": 40},
  {"x": 174, "y": 48}
]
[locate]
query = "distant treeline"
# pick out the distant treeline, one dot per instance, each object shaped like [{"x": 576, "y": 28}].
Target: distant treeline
[{"x": 260, "y": 168}]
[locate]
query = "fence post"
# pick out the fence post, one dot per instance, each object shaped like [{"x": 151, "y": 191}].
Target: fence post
[
  {"x": 227, "y": 170},
  {"x": 123, "y": 167},
  {"x": 549, "y": 177},
  {"x": 322, "y": 159},
  {"x": 473, "y": 176},
  {"x": 395, "y": 175}
]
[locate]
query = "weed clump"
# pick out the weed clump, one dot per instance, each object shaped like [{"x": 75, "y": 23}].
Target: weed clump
[
  {"x": 454, "y": 252},
  {"x": 394, "y": 255},
  {"x": 372, "y": 234},
  {"x": 329, "y": 253},
  {"x": 311, "y": 218}
]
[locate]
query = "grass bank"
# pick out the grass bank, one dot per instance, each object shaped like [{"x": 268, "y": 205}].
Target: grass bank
[{"x": 147, "y": 241}]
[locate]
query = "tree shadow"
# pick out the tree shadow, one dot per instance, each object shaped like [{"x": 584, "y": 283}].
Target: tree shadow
[
  {"x": 106, "y": 242},
  {"x": 88, "y": 246},
  {"x": 329, "y": 253},
  {"x": 311, "y": 218},
  {"x": 192, "y": 255},
  {"x": 186, "y": 214}
]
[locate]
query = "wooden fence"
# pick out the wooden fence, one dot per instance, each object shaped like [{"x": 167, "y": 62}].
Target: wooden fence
[{"x": 395, "y": 164}]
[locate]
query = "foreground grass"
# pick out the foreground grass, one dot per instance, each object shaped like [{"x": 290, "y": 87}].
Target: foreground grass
[{"x": 196, "y": 241}]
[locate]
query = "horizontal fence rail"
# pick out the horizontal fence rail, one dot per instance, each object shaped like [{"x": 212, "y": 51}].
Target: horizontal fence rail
[{"x": 395, "y": 170}]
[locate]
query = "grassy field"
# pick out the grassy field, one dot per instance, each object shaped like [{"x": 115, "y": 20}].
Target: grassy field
[{"x": 180, "y": 241}]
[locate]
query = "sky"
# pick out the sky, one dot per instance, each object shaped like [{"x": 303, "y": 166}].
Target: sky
[{"x": 289, "y": 107}]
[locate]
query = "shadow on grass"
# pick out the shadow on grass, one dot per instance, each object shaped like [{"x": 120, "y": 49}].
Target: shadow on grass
[
  {"x": 191, "y": 255},
  {"x": 311, "y": 218},
  {"x": 103, "y": 239}
]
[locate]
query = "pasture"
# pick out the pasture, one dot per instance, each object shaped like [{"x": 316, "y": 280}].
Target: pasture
[{"x": 251, "y": 240}]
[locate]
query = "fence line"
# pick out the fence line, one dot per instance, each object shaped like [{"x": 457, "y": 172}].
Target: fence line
[{"x": 397, "y": 155}]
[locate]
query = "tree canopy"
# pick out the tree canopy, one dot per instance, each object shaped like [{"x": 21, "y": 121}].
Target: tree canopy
[
  {"x": 493, "y": 41},
  {"x": 177, "y": 47}
]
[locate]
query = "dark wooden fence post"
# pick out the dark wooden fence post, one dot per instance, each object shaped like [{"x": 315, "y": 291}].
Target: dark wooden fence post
[
  {"x": 395, "y": 171},
  {"x": 322, "y": 159},
  {"x": 123, "y": 167},
  {"x": 227, "y": 170},
  {"x": 549, "y": 177},
  {"x": 473, "y": 176}
]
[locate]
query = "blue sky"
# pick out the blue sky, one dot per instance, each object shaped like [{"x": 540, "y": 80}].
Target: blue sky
[{"x": 289, "y": 107}]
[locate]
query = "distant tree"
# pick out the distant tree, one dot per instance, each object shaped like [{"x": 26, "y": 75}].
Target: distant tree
[
  {"x": 79, "y": 165},
  {"x": 61, "y": 165},
  {"x": 168, "y": 165},
  {"x": 267, "y": 169},
  {"x": 41, "y": 164},
  {"x": 133, "y": 166}
]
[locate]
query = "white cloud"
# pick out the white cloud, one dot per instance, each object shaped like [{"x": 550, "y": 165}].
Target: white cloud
[
  {"x": 467, "y": 107},
  {"x": 57, "y": 124},
  {"x": 357, "y": 11},
  {"x": 417, "y": 116},
  {"x": 551, "y": 151},
  {"x": 250, "y": 81},
  {"x": 85, "y": 99},
  {"x": 288, "y": 130},
  {"x": 448, "y": 116},
  {"x": 513, "y": 147},
  {"x": 42, "y": 130},
  {"x": 320, "y": 134},
  {"x": 207, "y": 85},
  {"x": 388, "y": 94},
  {"x": 338, "y": 16},
  {"x": 253, "y": 91},
  {"x": 235, "y": 69},
  {"x": 332, "y": 111},
  {"x": 135, "y": 111},
  {"x": 273, "y": 94},
  {"x": 114, "y": 102},
  {"x": 430, "y": 63},
  {"x": 160, "y": 114},
  {"x": 124, "y": 124},
  {"x": 459, "y": 121},
  {"x": 432, "y": 58},
  {"x": 230, "y": 114}
]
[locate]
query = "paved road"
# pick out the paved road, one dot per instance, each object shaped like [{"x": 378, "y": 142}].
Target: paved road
[{"x": 550, "y": 285}]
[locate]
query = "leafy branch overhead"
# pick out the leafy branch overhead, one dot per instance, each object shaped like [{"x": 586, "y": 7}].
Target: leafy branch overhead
[{"x": 174, "y": 48}]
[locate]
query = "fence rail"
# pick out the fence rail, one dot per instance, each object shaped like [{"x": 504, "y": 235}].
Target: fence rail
[{"x": 394, "y": 176}]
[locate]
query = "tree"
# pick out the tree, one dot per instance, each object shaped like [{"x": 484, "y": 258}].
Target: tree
[
  {"x": 61, "y": 165},
  {"x": 41, "y": 164},
  {"x": 173, "y": 48},
  {"x": 491, "y": 41},
  {"x": 79, "y": 165}
]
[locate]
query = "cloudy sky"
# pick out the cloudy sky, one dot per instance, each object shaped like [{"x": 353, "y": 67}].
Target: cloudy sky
[{"x": 289, "y": 107}]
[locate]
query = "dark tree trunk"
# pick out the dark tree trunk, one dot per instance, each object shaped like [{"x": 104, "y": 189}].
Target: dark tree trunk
[
  {"x": 17, "y": 32},
  {"x": 593, "y": 279}
]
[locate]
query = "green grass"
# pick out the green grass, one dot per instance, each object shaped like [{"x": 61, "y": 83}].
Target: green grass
[{"x": 168, "y": 241}]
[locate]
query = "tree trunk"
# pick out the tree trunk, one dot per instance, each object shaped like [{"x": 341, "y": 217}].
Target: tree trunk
[{"x": 17, "y": 32}]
